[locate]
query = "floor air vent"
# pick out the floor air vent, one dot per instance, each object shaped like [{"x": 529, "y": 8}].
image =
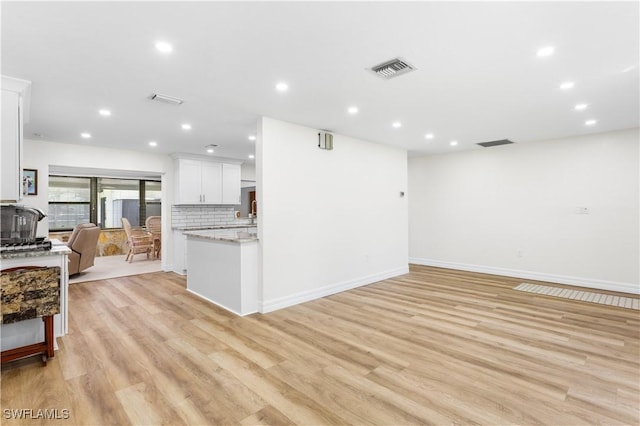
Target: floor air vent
[
  {"x": 393, "y": 68},
  {"x": 495, "y": 143}
]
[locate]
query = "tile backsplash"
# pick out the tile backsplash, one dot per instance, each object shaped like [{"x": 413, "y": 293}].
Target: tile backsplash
[{"x": 183, "y": 216}]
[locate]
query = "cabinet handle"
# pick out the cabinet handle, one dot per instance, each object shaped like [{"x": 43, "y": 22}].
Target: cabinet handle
[{"x": 203, "y": 198}]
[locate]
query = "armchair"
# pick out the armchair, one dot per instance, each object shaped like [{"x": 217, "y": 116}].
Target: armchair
[{"x": 83, "y": 243}]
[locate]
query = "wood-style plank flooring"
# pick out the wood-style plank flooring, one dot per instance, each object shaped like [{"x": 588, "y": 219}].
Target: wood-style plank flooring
[{"x": 434, "y": 346}]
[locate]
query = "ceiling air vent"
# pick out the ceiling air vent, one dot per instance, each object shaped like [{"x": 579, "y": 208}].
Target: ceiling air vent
[
  {"x": 166, "y": 99},
  {"x": 495, "y": 143},
  {"x": 392, "y": 68}
]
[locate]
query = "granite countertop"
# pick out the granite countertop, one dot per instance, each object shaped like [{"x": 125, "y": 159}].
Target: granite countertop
[
  {"x": 30, "y": 293},
  {"x": 241, "y": 237},
  {"x": 56, "y": 250},
  {"x": 201, "y": 228}
]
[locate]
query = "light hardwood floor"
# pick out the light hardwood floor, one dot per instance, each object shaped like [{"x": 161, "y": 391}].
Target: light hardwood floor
[{"x": 431, "y": 347}]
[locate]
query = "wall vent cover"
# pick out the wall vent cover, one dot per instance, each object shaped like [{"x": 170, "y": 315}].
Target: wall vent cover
[
  {"x": 393, "y": 68},
  {"x": 495, "y": 143},
  {"x": 166, "y": 99}
]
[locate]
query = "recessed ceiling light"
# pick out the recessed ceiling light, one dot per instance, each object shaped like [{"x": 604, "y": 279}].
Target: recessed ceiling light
[
  {"x": 580, "y": 107},
  {"x": 567, "y": 85},
  {"x": 252, "y": 138},
  {"x": 545, "y": 51},
  {"x": 590, "y": 122},
  {"x": 396, "y": 124},
  {"x": 352, "y": 110},
  {"x": 163, "y": 47},
  {"x": 153, "y": 143},
  {"x": 104, "y": 112},
  {"x": 85, "y": 135},
  {"x": 252, "y": 156},
  {"x": 282, "y": 87},
  {"x": 186, "y": 126},
  {"x": 453, "y": 143},
  {"x": 210, "y": 150},
  {"x": 429, "y": 136}
]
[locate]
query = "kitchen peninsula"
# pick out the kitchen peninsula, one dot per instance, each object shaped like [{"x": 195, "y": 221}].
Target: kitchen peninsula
[
  {"x": 180, "y": 239},
  {"x": 30, "y": 331},
  {"x": 223, "y": 269}
]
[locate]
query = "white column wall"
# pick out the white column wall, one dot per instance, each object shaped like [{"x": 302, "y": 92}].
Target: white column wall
[
  {"x": 328, "y": 220},
  {"x": 512, "y": 210}
]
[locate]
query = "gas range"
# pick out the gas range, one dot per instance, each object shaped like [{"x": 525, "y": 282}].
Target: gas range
[{"x": 15, "y": 245}]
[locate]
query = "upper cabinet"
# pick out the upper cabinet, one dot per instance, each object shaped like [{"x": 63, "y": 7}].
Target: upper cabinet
[
  {"x": 231, "y": 183},
  {"x": 15, "y": 102},
  {"x": 202, "y": 181}
]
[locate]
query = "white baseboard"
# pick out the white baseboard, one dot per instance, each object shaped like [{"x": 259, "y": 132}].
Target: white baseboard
[
  {"x": 306, "y": 296},
  {"x": 538, "y": 276},
  {"x": 218, "y": 304}
]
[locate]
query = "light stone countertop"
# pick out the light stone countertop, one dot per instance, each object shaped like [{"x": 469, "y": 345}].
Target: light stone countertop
[
  {"x": 240, "y": 238},
  {"x": 200, "y": 228}
]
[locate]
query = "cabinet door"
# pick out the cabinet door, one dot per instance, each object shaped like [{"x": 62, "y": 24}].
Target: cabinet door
[
  {"x": 179, "y": 252},
  {"x": 211, "y": 182},
  {"x": 231, "y": 184},
  {"x": 11, "y": 189},
  {"x": 189, "y": 182}
]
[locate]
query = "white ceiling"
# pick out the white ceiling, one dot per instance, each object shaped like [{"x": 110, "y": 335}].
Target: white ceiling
[{"x": 478, "y": 77}]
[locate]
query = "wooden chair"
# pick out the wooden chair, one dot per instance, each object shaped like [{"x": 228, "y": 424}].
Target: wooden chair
[
  {"x": 138, "y": 240},
  {"x": 153, "y": 224}
]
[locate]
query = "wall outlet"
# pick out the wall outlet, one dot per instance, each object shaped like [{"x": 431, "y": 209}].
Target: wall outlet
[{"x": 583, "y": 210}]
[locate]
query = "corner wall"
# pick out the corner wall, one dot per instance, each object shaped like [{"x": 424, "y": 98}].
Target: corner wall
[
  {"x": 517, "y": 210},
  {"x": 328, "y": 220}
]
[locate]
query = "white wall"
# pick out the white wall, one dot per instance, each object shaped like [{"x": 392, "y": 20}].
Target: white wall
[
  {"x": 511, "y": 210},
  {"x": 328, "y": 220},
  {"x": 40, "y": 155}
]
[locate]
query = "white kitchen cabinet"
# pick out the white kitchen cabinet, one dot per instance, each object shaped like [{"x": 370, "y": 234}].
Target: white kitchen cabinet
[
  {"x": 15, "y": 97},
  {"x": 180, "y": 245},
  {"x": 231, "y": 183},
  {"x": 206, "y": 182},
  {"x": 212, "y": 183},
  {"x": 224, "y": 272},
  {"x": 179, "y": 252},
  {"x": 198, "y": 182},
  {"x": 189, "y": 182}
]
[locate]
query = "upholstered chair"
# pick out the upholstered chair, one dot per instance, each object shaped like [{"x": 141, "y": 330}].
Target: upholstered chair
[{"x": 83, "y": 243}]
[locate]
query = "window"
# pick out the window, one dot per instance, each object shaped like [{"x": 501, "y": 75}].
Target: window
[
  {"x": 69, "y": 201},
  {"x": 104, "y": 201},
  {"x": 118, "y": 198},
  {"x": 152, "y": 198}
]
